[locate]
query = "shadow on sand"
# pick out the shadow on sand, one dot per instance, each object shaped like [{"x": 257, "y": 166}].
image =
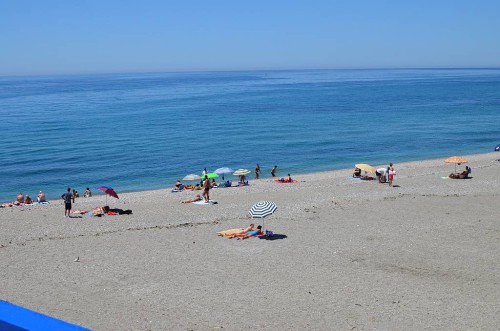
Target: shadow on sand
[{"x": 274, "y": 237}]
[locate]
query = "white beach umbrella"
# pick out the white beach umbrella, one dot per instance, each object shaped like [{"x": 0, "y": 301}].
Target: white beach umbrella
[
  {"x": 241, "y": 172},
  {"x": 191, "y": 177}
]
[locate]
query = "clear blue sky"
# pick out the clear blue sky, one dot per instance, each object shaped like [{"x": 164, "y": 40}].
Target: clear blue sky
[{"x": 101, "y": 36}]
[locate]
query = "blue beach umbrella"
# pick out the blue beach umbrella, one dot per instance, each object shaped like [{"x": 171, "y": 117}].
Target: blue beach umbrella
[{"x": 224, "y": 170}]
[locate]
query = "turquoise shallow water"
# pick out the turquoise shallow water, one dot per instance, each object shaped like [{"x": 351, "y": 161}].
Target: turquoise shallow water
[{"x": 144, "y": 131}]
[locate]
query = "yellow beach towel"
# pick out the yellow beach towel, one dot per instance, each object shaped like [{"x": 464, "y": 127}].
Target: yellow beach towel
[{"x": 229, "y": 233}]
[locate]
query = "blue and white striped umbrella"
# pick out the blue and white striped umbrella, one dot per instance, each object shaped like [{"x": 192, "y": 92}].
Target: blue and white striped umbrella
[{"x": 262, "y": 209}]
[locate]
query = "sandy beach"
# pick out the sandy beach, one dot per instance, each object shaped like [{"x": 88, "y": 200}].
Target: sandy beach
[{"x": 348, "y": 255}]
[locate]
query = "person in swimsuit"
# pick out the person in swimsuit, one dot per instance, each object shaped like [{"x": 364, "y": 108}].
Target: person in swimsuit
[
  {"x": 242, "y": 232},
  {"x": 273, "y": 171},
  {"x": 252, "y": 233},
  {"x": 20, "y": 198},
  {"x": 178, "y": 184},
  {"x": 196, "y": 198},
  {"x": 391, "y": 174},
  {"x": 41, "y": 197},
  {"x": 206, "y": 189},
  {"x": 87, "y": 193},
  {"x": 75, "y": 195},
  {"x": 257, "y": 171},
  {"x": 357, "y": 172},
  {"x": 28, "y": 200}
]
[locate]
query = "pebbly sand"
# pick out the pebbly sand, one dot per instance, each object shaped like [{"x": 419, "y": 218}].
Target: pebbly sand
[{"x": 349, "y": 255}]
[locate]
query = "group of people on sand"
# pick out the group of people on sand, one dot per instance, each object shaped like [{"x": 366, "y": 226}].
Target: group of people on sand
[
  {"x": 206, "y": 185},
  {"x": 27, "y": 200},
  {"x": 287, "y": 179},
  {"x": 384, "y": 175},
  {"x": 69, "y": 198},
  {"x": 461, "y": 175}
]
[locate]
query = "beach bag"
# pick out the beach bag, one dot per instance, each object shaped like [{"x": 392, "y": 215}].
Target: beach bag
[{"x": 269, "y": 233}]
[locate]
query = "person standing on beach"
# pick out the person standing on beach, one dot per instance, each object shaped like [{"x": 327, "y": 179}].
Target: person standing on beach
[
  {"x": 206, "y": 189},
  {"x": 257, "y": 171},
  {"x": 273, "y": 171},
  {"x": 67, "y": 197},
  {"x": 391, "y": 173}
]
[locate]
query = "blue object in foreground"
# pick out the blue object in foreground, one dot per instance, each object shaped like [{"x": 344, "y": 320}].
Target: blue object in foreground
[{"x": 15, "y": 318}]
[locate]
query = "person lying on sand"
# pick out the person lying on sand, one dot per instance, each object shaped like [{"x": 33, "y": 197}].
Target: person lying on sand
[
  {"x": 461, "y": 175},
  {"x": 240, "y": 233},
  {"x": 253, "y": 233},
  {"x": 357, "y": 172},
  {"x": 196, "y": 198}
]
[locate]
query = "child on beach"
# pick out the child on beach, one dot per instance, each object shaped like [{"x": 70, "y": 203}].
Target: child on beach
[{"x": 392, "y": 173}]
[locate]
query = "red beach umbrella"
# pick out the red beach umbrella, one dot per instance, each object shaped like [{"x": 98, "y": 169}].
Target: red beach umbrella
[{"x": 109, "y": 191}]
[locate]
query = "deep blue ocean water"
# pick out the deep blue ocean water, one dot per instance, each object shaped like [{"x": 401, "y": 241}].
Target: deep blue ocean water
[{"x": 144, "y": 131}]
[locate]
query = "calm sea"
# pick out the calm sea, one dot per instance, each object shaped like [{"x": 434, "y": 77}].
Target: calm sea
[{"x": 144, "y": 131}]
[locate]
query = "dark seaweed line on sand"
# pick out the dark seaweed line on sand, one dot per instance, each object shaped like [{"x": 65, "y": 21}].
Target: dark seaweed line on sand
[{"x": 156, "y": 227}]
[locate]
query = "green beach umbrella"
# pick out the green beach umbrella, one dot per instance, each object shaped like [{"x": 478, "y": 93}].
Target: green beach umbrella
[{"x": 210, "y": 175}]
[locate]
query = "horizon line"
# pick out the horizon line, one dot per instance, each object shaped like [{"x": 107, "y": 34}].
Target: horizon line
[{"x": 246, "y": 70}]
